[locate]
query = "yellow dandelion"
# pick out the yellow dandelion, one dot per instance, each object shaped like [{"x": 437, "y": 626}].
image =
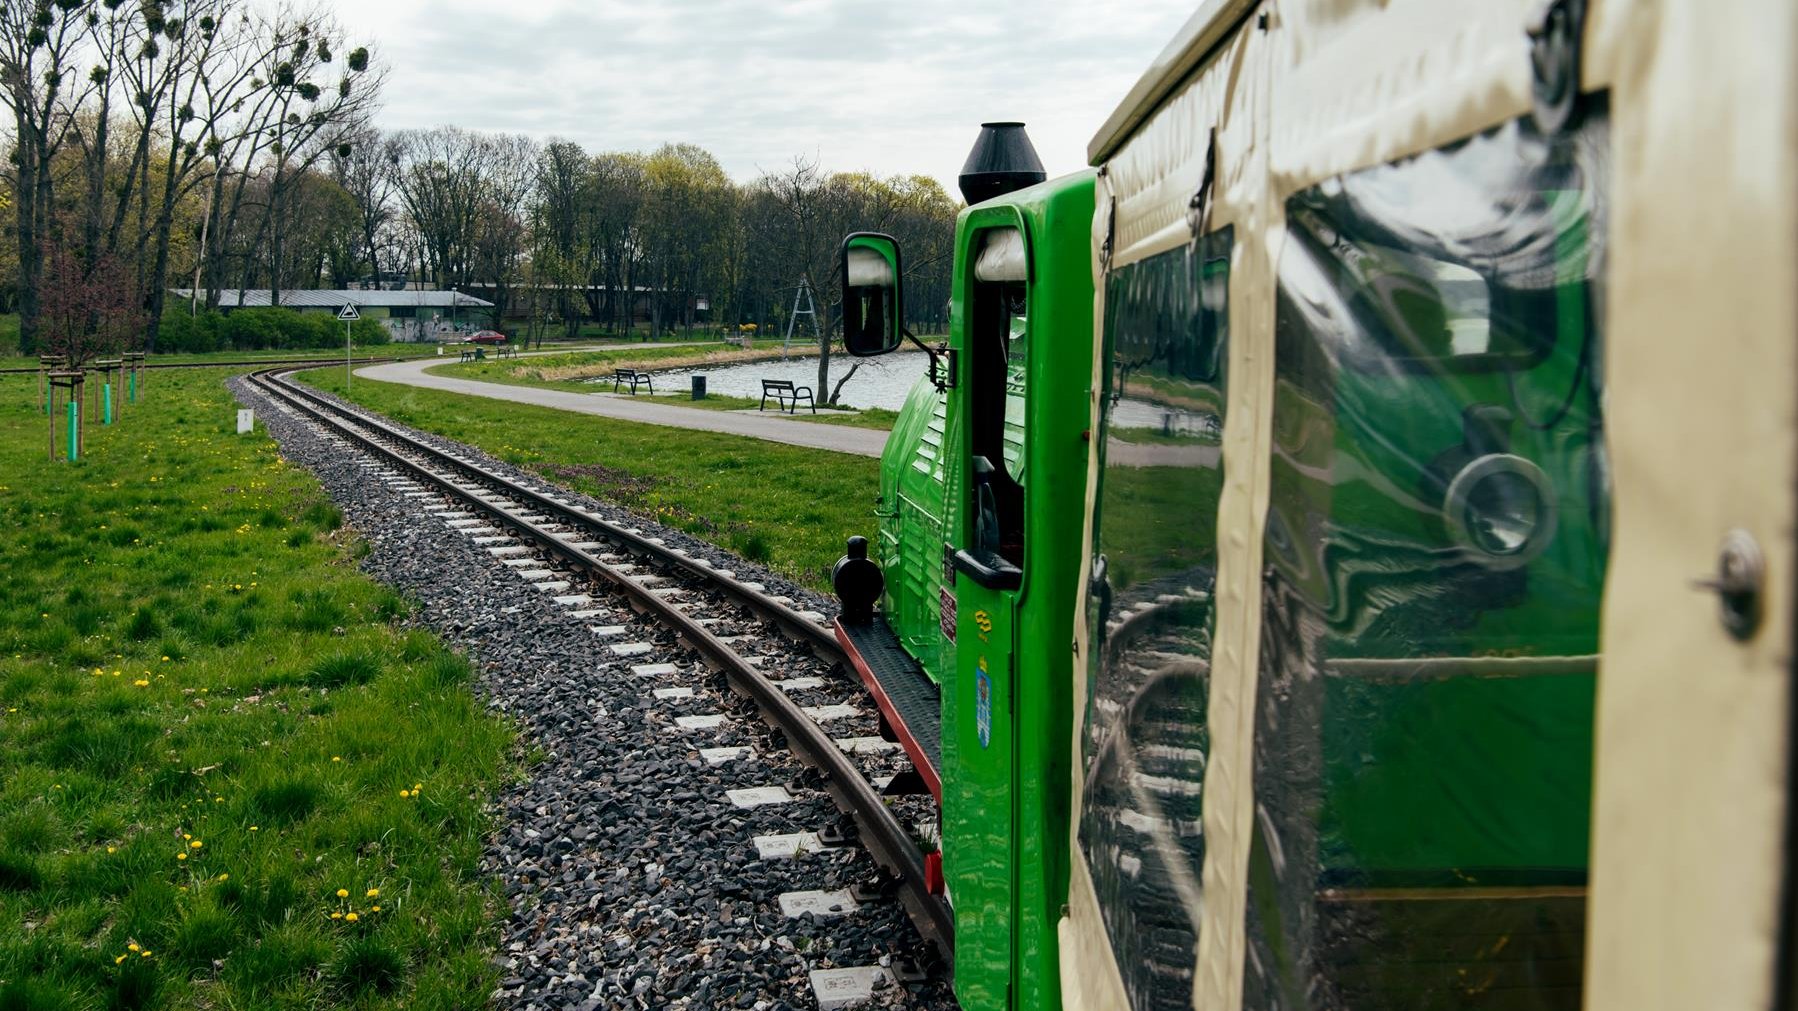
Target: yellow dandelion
[
  {"x": 180, "y": 856},
  {"x": 371, "y": 893},
  {"x": 376, "y": 909},
  {"x": 112, "y": 849},
  {"x": 118, "y": 960},
  {"x": 336, "y": 758},
  {"x": 165, "y": 659},
  {"x": 133, "y": 947},
  {"x": 405, "y": 793},
  {"x": 343, "y": 893},
  {"x": 336, "y": 916},
  {"x": 224, "y": 877},
  {"x": 141, "y": 683},
  {"x": 349, "y": 917},
  {"x": 255, "y": 828},
  {"x": 196, "y": 844}
]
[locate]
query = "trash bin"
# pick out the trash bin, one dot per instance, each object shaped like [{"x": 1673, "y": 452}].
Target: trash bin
[{"x": 698, "y": 387}]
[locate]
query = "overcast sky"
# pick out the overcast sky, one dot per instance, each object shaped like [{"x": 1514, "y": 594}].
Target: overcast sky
[{"x": 878, "y": 85}]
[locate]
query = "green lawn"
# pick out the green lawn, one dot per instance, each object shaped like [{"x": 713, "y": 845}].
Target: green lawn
[
  {"x": 216, "y": 743},
  {"x": 785, "y": 506},
  {"x": 285, "y": 354}
]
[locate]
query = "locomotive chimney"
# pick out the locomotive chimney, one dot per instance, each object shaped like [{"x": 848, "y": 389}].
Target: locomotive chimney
[{"x": 1003, "y": 160}]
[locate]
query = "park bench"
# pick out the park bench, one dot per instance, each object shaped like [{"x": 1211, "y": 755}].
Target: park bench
[
  {"x": 633, "y": 377},
  {"x": 474, "y": 354},
  {"x": 506, "y": 351},
  {"x": 786, "y": 396}
]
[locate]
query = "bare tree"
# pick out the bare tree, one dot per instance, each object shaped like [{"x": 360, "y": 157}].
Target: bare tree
[{"x": 39, "y": 43}]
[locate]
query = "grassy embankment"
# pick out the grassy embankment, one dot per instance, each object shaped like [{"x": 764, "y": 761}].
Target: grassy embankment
[
  {"x": 215, "y": 743},
  {"x": 785, "y": 506},
  {"x": 576, "y": 372},
  {"x": 287, "y": 354}
]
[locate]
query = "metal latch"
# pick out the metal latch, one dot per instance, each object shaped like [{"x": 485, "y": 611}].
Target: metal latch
[{"x": 1741, "y": 574}]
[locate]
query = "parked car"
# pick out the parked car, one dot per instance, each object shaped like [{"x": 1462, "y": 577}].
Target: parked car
[{"x": 486, "y": 337}]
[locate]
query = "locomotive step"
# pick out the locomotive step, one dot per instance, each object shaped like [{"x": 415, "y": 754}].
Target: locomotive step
[{"x": 910, "y": 702}]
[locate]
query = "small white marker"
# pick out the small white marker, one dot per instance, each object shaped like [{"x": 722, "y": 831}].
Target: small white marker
[
  {"x": 819, "y": 904},
  {"x": 787, "y": 847},
  {"x": 756, "y": 796},
  {"x": 866, "y": 745},
  {"x": 841, "y": 988}
]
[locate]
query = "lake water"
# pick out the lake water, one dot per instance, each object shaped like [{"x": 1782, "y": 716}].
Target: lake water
[{"x": 880, "y": 382}]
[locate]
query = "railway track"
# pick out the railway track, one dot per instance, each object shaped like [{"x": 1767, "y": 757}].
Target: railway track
[{"x": 558, "y": 544}]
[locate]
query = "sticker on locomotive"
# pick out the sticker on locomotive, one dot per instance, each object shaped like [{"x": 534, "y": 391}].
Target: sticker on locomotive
[
  {"x": 984, "y": 622},
  {"x": 946, "y": 608},
  {"x": 983, "y": 705}
]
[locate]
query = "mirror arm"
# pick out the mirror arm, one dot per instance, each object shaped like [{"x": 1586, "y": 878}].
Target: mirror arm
[{"x": 942, "y": 360}]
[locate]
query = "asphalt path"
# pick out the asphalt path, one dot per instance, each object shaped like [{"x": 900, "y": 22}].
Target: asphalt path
[{"x": 770, "y": 427}]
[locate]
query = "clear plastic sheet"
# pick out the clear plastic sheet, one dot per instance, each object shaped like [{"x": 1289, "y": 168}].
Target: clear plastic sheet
[
  {"x": 1435, "y": 549},
  {"x": 1144, "y": 742}
]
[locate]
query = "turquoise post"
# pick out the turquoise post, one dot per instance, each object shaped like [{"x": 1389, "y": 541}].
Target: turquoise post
[
  {"x": 74, "y": 431},
  {"x": 106, "y": 404},
  {"x": 131, "y": 385}
]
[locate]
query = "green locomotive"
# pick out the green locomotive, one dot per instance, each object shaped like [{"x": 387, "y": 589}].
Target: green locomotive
[{"x": 1299, "y": 710}]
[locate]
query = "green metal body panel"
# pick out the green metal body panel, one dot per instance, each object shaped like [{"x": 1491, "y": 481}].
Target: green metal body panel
[
  {"x": 1007, "y": 692},
  {"x": 911, "y": 513}
]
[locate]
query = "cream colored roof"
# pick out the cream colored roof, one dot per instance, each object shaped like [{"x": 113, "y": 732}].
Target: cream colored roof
[{"x": 1196, "y": 37}]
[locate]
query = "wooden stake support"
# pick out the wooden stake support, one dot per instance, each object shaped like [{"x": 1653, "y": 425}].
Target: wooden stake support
[
  {"x": 71, "y": 382},
  {"x": 45, "y": 365}
]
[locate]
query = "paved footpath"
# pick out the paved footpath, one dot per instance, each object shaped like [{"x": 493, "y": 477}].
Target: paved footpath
[{"x": 836, "y": 438}]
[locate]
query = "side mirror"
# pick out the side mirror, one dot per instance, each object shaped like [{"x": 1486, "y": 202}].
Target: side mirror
[{"x": 873, "y": 316}]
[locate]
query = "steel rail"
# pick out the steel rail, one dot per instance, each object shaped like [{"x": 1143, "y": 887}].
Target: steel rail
[
  {"x": 879, "y": 831},
  {"x": 795, "y": 625}
]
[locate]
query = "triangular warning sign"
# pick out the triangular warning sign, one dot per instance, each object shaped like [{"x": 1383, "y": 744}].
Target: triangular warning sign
[{"x": 348, "y": 311}]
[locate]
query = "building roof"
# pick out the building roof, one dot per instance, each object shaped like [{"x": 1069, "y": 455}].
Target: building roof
[{"x": 335, "y": 298}]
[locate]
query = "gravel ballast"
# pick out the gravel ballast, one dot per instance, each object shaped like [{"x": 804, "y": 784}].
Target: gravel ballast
[{"x": 632, "y": 879}]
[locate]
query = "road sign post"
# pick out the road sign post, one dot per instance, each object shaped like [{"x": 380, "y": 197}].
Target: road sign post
[{"x": 349, "y": 315}]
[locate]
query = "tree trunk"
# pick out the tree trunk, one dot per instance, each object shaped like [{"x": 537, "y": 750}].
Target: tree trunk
[{"x": 30, "y": 262}]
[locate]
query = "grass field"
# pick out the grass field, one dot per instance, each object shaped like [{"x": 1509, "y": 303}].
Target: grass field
[
  {"x": 785, "y": 506},
  {"x": 228, "y": 779},
  {"x": 287, "y": 354},
  {"x": 576, "y": 372}
]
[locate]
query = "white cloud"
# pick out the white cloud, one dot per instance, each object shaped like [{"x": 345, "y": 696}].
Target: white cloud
[{"x": 887, "y": 87}]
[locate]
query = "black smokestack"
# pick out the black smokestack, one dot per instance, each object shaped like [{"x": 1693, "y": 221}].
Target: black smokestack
[{"x": 1003, "y": 160}]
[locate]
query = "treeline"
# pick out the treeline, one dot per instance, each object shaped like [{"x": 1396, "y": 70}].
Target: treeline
[
  {"x": 159, "y": 141},
  {"x": 571, "y": 237},
  {"x": 225, "y": 145}
]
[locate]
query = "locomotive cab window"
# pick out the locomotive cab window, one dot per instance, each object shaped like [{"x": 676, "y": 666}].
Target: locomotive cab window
[{"x": 996, "y": 342}]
